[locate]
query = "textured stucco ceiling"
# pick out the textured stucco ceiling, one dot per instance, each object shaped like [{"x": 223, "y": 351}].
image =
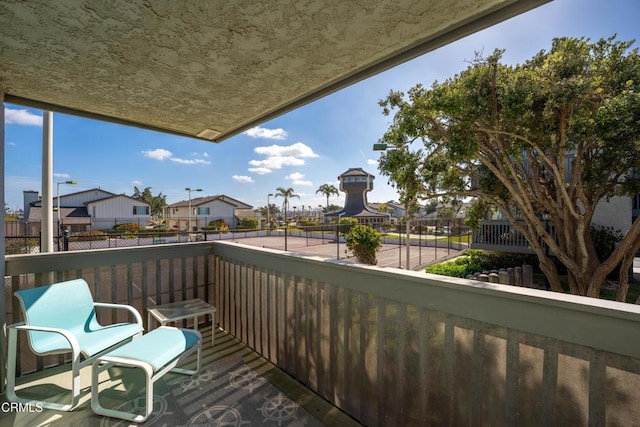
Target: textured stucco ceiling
[{"x": 190, "y": 66}]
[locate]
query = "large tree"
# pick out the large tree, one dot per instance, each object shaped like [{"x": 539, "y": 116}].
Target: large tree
[
  {"x": 285, "y": 193},
  {"x": 157, "y": 203},
  {"x": 550, "y": 138},
  {"x": 327, "y": 190}
]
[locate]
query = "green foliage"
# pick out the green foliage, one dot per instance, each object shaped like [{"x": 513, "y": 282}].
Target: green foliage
[
  {"x": 364, "y": 242},
  {"x": 271, "y": 212},
  {"x": 346, "y": 224},
  {"x": 157, "y": 203},
  {"x": 89, "y": 236},
  {"x": 20, "y": 246},
  {"x": 473, "y": 261},
  {"x": 459, "y": 267},
  {"x": 550, "y": 137},
  {"x": 248, "y": 223},
  {"x": 327, "y": 190},
  {"x": 605, "y": 240},
  {"x": 331, "y": 208},
  {"x": 217, "y": 225},
  {"x": 129, "y": 227}
]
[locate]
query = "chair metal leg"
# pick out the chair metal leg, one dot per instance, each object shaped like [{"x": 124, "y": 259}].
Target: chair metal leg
[{"x": 11, "y": 379}]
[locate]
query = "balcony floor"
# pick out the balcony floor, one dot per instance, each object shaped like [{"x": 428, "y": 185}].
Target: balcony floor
[{"x": 235, "y": 387}]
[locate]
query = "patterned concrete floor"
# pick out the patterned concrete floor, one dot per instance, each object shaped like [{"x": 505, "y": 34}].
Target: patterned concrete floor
[{"x": 235, "y": 387}]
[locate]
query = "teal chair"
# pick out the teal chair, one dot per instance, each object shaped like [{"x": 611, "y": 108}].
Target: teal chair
[{"x": 61, "y": 318}]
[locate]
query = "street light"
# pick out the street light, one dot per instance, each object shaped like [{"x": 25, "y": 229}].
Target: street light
[
  {"x": 268, "y": 213},
  {"x": 58, "y": 197},
  {"x": 190, "y": 190},
  {"x": 383, "y": 147}
]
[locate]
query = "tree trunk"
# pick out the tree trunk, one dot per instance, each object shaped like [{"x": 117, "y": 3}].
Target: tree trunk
[{"x": 550, "y": 271}]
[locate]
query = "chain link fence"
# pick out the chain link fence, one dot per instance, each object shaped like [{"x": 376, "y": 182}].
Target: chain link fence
[{"x": 432, "y": 232}]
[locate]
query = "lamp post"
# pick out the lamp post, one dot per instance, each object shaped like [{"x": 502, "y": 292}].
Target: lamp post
[
  {"x": 383, "y": 147},
  {"x": 268, "y": 213},
  {"x": 189, "y": 189},
  {"x": 58, "y": 201}
]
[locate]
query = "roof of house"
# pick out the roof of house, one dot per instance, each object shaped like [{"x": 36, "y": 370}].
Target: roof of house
[
  {"x": 212, "y": 69},
  {"x": 356, "y": 172},
  {"x": 69, "y": 216},
  {"x": 116, "y": 196},
  {"x": 106, "y": 195},
  {"x": 208, "y": 199}
]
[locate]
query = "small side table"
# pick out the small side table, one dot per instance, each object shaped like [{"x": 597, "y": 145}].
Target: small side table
[{"x": 179, "y": 310}]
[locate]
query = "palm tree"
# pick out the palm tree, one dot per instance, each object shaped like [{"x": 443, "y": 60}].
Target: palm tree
[
  {"x": 327, "y": 190},
  {"x": 287, "y": 194}
]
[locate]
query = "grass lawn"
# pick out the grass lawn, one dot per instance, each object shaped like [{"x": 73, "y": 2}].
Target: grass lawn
[{"x": 465, "y": 238}]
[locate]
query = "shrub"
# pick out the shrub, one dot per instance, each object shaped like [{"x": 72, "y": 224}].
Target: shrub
[
  {"x": 346, "y": 224},
  {"x": 88, "y": 236},
  {"x": 248, "y": 223},
  {"x": 21, "y": 245},
  {"x": 217, "y": 225},
  {"x": 473, "y": 261},
  {"x": 459, "y": 267},
  {"x": 364, "y": 241},
  {"x": 129, "y": 226},
  {"x": 605, "y": 240}
]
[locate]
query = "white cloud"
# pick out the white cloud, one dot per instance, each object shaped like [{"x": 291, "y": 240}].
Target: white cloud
[
  {"x": 190, "y": 161},
  {"x": 21, "y": 117},
  {"x": 296, "y": 150},
  {"x": 295, "y": 176},
  {"x": 62, "y": 175},
  {"x": 277, "y": 162},
  {"x": 296, "y": 179},
  {"x": 158, "y": 154},
  {"x": 162, "y": 154},
  {"x": 260, "y": 171},
  {"x": 279, "y": 156},
  {"x": 242, "y": 178},
  {"x": 259, "y": 132},
  {"x": 372, "y": 162},
  {"x": 136, "y": 182}
]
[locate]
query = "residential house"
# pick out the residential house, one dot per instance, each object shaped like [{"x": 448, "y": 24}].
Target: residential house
[
  {"x": 496, "y": 232},
  {"x": 395, "y": 211},
  {"x": 203, "y": 211},
  {"x": 250, "y": 213},
  {"x": 94, "y": 209}
]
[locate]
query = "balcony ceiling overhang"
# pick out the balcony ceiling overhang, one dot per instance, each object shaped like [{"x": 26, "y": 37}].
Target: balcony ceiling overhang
[{"x": 212, "y": 69}]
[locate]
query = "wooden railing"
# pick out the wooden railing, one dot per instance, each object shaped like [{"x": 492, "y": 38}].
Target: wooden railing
[
  {"x": 398, "y": 348},
  {"x": 139, "y": 276},
  {"x": 389, "y": 347}
]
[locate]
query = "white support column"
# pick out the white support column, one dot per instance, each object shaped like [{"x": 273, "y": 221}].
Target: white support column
[
  {"x": 47, "y": 182},
  {"x": 3, "y": 301}
]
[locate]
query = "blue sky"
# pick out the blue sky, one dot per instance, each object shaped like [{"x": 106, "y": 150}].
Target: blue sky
[{"x": 303, "y": 149}]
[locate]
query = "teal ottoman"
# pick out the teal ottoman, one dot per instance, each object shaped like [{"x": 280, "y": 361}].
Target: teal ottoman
[{"x": 156, "y": 353}]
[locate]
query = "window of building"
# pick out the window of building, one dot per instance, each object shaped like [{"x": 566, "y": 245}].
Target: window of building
[
  {"x": 141, "y": 210},
  {"x": 355, "y": 179},
  {"x": 202, "y": 211}
]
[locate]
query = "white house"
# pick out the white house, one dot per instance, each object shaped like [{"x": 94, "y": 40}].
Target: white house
[
  {"x": 93, "y": 209},
  {"x": 203, "y": 211}
]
